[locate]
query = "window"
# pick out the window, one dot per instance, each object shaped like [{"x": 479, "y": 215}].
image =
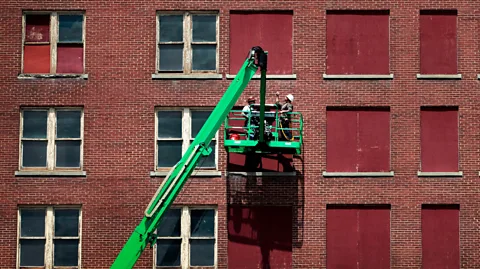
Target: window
[
  {"x": 439, "y": 139},
  {"x": 358, "y": 236},
  {"x": 187, "y": 237},
  {"x": 438, "y": 42},
  {"x": 358, "y": 139},
  {"x": 358, "y": 42},
  {"x": 51, "y": 139},
  {"x": 49, "y": 237},
  {"x": 254, "y": 231},
  {"x": 187, "y": 42},
  {"x": 176, "y": 129},
  {"x": 53, "y": 43},
  {"x": 262, "y": 29},
  {"x": 440, "y": 237}
]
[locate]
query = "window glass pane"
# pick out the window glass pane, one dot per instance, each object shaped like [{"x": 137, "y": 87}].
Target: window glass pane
[
  {"x": 169, "y": 153},
  {"x": 208, "y": 161},
  {"x": 66, "y": 222},
  {"x": 37, "y": 28},
  {"x": 202, "y": 252},
  {"x": 70, "y": 28},
  {"x": 202, "y": 223},
  {"x": 168, "y": 252},
  {"x": 171, "y": 28},
  {"x": 169, "y": 124},
  {"x": 198, "y": 119},
  {"x": 34, "y": 154},
  {"x": 35, "y": 124},
  {"x": 68, "y": 153},
  {"x": 32, "y": 252},
  {"x": 171, "y": 57},
  {"x": 68, "y": 124},
  {"x": 204, "y": 28},
  {"x": 204, "y": 57},
  {"x": 65, "y": 252},
  {"x": 170, "y": 225},
  {"x": 32, "y": 222}
]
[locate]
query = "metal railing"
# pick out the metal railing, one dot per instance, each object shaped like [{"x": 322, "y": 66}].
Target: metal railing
[{"x": 247, "y": 127}]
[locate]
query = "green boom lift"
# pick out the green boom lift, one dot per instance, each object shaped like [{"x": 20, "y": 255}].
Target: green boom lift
[{"x": 144, "y": 233}]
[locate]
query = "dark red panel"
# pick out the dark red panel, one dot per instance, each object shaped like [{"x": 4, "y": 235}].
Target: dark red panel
[
  {"x": 255, "y": 162},
  {"x": 358, "y": 42},
  {"x": 440, "y": 238},
  {"x": 438, "y": 43},
  {"x": 374, "y": 141},
  {"x": 37, "y": 28},
  {"x": 259, "y": 237},
  {"x": 36, "y": 59},
  {"x": 342, "y": 141},
  {"x": 358, "y": 237},
  {"x": 342, "y": 238},
  {"x": 272, "y": 31},
  {"x": 374, "y": 238},
  {"x": 70, "y": 58},
  {"x": 439, "y": 139}
]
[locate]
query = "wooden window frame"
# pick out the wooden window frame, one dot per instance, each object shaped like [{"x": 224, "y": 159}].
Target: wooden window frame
[
  {"x": 185, "y": 237},
  {"x": 51, "y": 138},
  {"x": 53, "y": 42},
  {"x": 186, "y": 134},
  {"x": 49, "y": 235},
  {"x": 187, "y": 42}
]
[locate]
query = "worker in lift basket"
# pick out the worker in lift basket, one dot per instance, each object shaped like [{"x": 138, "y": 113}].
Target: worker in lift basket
[
  {"x": 247, "y": 113},
  {"x": 285, "y": 118}
]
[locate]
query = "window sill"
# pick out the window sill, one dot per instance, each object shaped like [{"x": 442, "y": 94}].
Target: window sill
[
  {"x": 41, "y": 76},
  {"x": 390, "y": 76},
  {"x": 439, "y": 76},
  {"x": 51, "y": 173},
  {"x": 358, "y": 174},
  {"x": 195, "y": 173},
  {"x": 440, "y": 174},
  {"x": 186, "y": 76},
  {"x": 271, "y": 77},
  {"x": 265, "y": 174}
]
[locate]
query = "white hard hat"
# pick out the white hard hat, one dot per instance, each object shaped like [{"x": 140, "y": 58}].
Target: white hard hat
[{"x": 290, "y": 97}]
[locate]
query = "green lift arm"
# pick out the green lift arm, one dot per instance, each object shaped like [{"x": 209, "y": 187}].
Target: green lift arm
[{"x": 144, "y": 233}]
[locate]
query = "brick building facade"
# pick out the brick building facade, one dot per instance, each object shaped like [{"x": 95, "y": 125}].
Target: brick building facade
[{"x": 99, "y": 98}]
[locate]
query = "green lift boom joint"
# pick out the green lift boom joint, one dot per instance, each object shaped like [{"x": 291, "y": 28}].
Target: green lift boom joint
[{"x": 144, "y": 233}]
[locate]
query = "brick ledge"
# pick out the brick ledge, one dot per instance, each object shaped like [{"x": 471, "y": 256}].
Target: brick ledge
[
  {"x": 440, "y": 174},
  {"x": 359, "y": 76},
  {"x": 358, "y": 174},
  {"x": 51, "y": 173}
]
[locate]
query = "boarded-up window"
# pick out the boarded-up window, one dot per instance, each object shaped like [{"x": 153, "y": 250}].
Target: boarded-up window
[
  {"x": 358, "y": 139},
  {"x": 259, "y": 237},
  {"x": 438, "y": 42},
  {"x": 53, "y": 36},
  {"x": 439, "y": 139},
  {"x": 358, "y": 237},
  {"x": 440, "y": 237},
  {"x": 270, "y": 30},
  {"x": 357, "y": 42}
]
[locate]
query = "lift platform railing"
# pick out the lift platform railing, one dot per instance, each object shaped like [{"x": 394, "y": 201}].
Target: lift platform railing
[{"x": 241, "y": 133}]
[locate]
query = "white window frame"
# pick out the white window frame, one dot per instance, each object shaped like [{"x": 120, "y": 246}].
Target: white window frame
[
  {"x": 51, "y": 138},
  {"x": 186, "y": 135},
  {"x": 185, "y": 237},
  {"x": 187, "y": 42},
  {"x": 49, "y": 235},
  {"x": 54, "y": 35}
]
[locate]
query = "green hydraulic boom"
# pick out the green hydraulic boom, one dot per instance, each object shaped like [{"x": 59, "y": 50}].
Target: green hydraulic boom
[{"x": 144, "y": 233}]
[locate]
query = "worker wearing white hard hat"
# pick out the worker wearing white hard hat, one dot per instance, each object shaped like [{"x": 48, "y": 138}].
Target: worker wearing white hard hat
[{"x": 285, "y": 117}]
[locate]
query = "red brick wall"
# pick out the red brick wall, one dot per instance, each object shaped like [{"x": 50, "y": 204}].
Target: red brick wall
[{"x": 120, "y": 58}]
